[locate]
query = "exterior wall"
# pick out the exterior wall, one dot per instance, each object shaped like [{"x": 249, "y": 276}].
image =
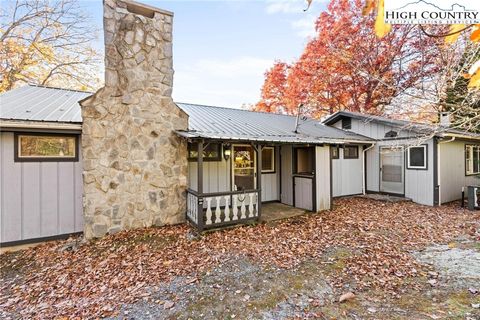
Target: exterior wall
[
  {"x": 217, "y": 178},
  {"x": 323, "y": 185},
  {"x": 135, "y": 166},
  {"x": 286, "y": 158},
  {"x": 419, "y": 183},
  {"x": 38, "y": 199},
  {"x": 347, "y": 174},
  {"x": 376, "y": 130},
  {"x": 452, "y": 171}
]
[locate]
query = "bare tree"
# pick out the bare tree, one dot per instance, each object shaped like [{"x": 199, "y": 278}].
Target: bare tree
[{"x": 49, "y": 43}]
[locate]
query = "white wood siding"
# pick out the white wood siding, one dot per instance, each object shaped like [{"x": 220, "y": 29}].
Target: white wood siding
[
  {"x": 322, "y": 177},
  {"x": 452, "y": 171},
  {"x": 347, "y": 174},
  {"x": 419, "y": 183},
  {"x": 38, "y": 199}
]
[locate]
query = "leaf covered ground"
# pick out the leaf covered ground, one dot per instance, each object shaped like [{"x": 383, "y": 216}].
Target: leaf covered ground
[{"x": 363, "y": 245}]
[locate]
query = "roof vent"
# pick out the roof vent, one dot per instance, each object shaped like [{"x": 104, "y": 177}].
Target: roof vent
[{"x": 391, "y": 134}]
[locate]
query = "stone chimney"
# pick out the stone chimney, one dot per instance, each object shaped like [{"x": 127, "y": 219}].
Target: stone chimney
[{"x": 135, "y": 166}]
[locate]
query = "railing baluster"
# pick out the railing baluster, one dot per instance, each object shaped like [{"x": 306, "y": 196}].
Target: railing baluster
[
  {"x": 243, "y": 209},
  {"x": 209, "y": 211},
  {"x": 235, "y": 207},
  {"x": 227, "y": 209},
  {"x": 250, "y": 206},
  {"x": 218, "y": 211}
]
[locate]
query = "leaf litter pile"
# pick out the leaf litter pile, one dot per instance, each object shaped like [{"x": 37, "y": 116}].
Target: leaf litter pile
[{"x": 94, "y": 279}]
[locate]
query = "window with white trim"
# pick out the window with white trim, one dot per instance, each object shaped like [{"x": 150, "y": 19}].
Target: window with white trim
[
  {"x": 417, "y": 157},
  {"x": 268, "y": 160},
  {"x": 472, "y": 159}
]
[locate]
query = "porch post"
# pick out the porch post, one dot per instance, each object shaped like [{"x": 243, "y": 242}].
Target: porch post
[
  {"x": 259, "y": 179},
  {"x": 200, "y": 184}
]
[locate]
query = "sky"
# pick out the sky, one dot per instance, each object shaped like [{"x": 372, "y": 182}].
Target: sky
[{"x": 221, "y": 49}]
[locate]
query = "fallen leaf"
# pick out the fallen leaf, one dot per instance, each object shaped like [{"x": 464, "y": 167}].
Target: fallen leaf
[{"x": 346, "y": 296}]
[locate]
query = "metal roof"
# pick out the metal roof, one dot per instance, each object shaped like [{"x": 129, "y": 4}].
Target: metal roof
[
  {"x": 420, "y": 128},
  {"x": 237, "y": 124},
  {"x": 39, "y": 103}
]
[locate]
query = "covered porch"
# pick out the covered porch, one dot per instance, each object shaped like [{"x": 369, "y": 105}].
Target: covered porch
[{"x": 230, "y": 182}]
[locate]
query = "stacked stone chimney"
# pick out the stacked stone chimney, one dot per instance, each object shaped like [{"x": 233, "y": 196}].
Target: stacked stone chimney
[{"x": 135, "y": 166}]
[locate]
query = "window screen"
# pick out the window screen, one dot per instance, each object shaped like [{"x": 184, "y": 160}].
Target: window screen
[
  {"x": 268, "y": 159},
  {"x": 417, "y": 157}
]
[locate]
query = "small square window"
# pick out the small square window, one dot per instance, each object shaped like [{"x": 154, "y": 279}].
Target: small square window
[
  {"x": 45, "y": 147},
  {"x": 268, "y": 160},
  {"x": 417, "y": 157},
  {"x": 335, "y": 152},
  {"x": 350, "y": 152}
]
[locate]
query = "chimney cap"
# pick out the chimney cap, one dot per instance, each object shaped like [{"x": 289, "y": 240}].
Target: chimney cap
[{"x": 145, "y": 7}]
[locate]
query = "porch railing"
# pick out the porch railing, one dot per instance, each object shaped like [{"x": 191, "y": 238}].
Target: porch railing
[{"x": 214, "y": 210}]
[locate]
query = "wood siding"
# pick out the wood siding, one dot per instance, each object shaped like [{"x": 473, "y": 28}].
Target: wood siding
[
  {"x": 38, "y": 199},
  {"x": 419, "y": 183},
  {"x": 452, "y": 171},
  {"x": 322, "y": 178},
  {"x": 347, "y": 174}
]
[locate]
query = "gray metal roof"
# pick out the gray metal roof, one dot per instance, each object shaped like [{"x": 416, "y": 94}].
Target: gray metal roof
[
  {"x": 420, "y": 128},
  {"x": 39, "y": 103},
  {"x": 237, "y": 124}
]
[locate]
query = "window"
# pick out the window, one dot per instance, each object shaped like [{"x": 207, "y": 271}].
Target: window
[
  {"x": 350, "y": 152},
  {"x": 472, "y": 159},
  {"x": 417, "y": 157},
  {"x": 211, "y": 152},
  {"x": 45, "y": 147},
  {"x": 268, "y": 160},
  {"x": 335, "y": 153},
  {"x": 303, "y": 161},
  {"x": 347, "y": 123}
]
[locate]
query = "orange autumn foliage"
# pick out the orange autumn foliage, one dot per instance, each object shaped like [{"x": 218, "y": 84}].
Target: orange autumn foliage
[{"x": 347, "y": 67}]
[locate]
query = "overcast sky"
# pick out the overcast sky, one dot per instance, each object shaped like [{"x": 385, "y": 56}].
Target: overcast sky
[{"x": 222, "y": 48}]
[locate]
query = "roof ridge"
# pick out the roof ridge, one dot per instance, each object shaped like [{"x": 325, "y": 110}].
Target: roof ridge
[
  {"x": 58, "y": 88},
  {"x": 227, "y": 108}
]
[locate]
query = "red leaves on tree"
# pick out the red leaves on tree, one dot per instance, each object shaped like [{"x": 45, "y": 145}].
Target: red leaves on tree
[{"x": 347, "y": 67}]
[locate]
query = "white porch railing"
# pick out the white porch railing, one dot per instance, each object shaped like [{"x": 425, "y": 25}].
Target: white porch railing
[{"x": 213, "y": 210}]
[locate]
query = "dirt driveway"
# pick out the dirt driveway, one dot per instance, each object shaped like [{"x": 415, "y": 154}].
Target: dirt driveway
[{"x": 400, "y": 260}]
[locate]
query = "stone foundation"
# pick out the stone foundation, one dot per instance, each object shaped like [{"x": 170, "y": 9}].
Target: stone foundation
[{"x": 135, "y": 167}]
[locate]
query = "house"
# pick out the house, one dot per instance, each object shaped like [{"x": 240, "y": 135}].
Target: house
[
  {"x": 427, "y": 164},
  {"x": 41, "y": 163},
  {"x": 127, "y": 156}
]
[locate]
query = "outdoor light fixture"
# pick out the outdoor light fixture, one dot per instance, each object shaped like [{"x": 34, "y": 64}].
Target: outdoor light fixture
[{"x": 226, "y": 152}]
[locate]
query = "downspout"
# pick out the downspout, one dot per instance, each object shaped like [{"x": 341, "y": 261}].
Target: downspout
[
  {"x": 364, "y": 191},
  {"x": 438, "y": 168}
]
